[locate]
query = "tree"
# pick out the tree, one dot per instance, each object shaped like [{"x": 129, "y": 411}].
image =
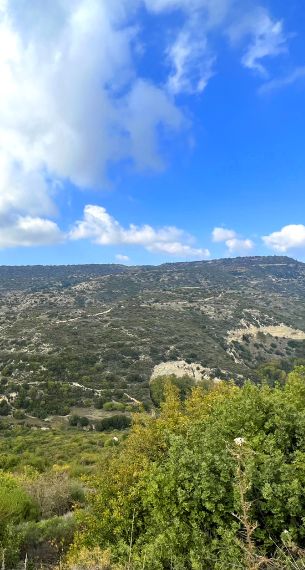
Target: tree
[
  {"x": 118, "y": 421},
  {"x": 157, "y": 387},
  {"x": 83, "y": 421},
  {"x": 5, "y": 408},
  {"x": 73, "y": 420},
  {"x": 189, "y": 496}
]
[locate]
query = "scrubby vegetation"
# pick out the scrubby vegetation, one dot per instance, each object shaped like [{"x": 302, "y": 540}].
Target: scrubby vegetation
[
  {"x": 216, "y": 481},
  {"x": 213, "y": 480},
  {"x": 75, "y": 336}
]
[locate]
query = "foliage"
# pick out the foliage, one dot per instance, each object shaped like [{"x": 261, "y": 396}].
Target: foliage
[
  {"x": 174, "y": 484},
  {"x": 158, "y": 384},
  {"x": 110, "y": 406},
  {"x": 90, "y": 559},
  {"x": 55, "y": 493},
  {"x": 211, "y": 481},
  {"x": 74, "y": 451},
  {"x": 78, "y": 421},
  {"x": 5, "y": 408},
  {"x": 15, "y": 506},
  {"x": 46, "y": 540},
  {"x": 115, "y": 422}
]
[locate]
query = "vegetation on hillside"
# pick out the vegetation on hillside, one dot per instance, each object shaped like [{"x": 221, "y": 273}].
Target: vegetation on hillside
[
  {"x": 73, "y": 335},
  {"x": 213, "y": 480}
]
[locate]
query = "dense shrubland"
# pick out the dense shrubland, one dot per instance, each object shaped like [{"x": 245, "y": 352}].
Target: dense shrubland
[
  {"x": 216, "y": 481},
  {"x": 212, "y": 480}
]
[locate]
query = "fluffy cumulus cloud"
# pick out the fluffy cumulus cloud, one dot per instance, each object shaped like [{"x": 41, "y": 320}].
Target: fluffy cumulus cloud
[
  {"x": 101, "y": 228},
  {"x": 289, "y": 237},
  {"x": 233, "y": 242},
  {"x": 70, "y": 100},
  {"x": 222, "y": 234},
  {"x": 27, "y": 231},
  {"x": 73, "y": 102}
]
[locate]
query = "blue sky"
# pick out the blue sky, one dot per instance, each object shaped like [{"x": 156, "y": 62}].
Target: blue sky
[{"x": 148, "y": 131}]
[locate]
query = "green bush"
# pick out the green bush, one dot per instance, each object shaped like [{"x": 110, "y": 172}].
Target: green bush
[
  {"x": 47, "y": 540},
  {"x": 99, "y": 403},
  {"x": 15, "y": 503},
  {"x": 16, "y": 506},
  {"x": 73, "y": 420},
  {"x": 19, "y": 415},
  {"x": 83, "y": 421},
  {"x": 114, "y": 406},
  {"x": 5, "y": 408},
  {"x": 192, "y": 483},
  {"x": 116, "y": 422}
]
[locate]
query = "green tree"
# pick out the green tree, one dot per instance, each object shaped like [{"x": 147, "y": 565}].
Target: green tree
[
  {"x": 5, "y": 408},
  {"x": 174, "y": 480},
  {"x": 157, "y": 387}
]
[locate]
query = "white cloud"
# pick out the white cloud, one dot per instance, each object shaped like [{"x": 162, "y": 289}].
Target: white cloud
[
  {"x": 146, "y": 108},
  {"x": 103, "y": 229},
  {"x": 189, "y": 56},
  {"x": 289, "y": 237},
  {"x": 236, "y": 245},
  {"x": 222, "y": 234},
  {"x": 27, "y": 232},
  {"x": 267, "y": 38},
  {"x": 275, "y": 84},
  {"x": 191, "y": 61},
  {"x": 22, "y": 191},
  {"x": 70, "y": 100},
  {"x": 178, "y": 249},
  {"x": 215, "y": 11},
  {"x": 122, "y": 258},
  {"x": 233, "y": 242}
]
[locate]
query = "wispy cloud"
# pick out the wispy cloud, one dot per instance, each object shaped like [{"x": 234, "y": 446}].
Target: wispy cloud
[
  {"x": 122, "y": 258},
  {"x": 188, "y": 53},
  {"x": 266, "y": 35},
  {"x": 280, "y": 83},
  {"x": 191, "y": 61}
]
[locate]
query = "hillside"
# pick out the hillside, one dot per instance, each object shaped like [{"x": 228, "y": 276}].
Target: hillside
[{"x": 76, "y": 333}]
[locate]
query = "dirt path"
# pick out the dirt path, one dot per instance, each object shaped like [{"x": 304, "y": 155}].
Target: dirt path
[{"x": 85, "y": 317}]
